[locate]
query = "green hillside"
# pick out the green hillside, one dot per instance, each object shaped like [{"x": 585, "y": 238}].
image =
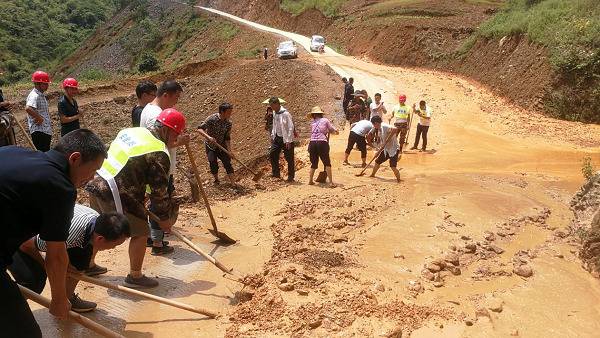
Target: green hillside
[{"x": 37, "y": 33}]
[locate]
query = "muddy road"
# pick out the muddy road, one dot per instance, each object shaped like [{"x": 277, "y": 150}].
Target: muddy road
[{"x": 472, "y": 242}]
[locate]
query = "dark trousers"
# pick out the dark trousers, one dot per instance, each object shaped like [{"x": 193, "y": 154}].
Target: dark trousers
[
  {"x": 277, "y": 146},
  {"x": 421, "y": 130},
  {"x": 402, "y": 132},
  {"x": 218, "y": 154},
  {"x": 156, "y": 233},
  {"x": 16, "y": 318},
  {"x": 360, "y": 142},
  {"x": 319, "y": 150},
  {"x": 41, "y": 140},
  {"x": 345, "y": 105}
]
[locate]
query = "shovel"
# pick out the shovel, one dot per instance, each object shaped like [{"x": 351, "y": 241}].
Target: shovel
[
  {"x": 214, "y": 231},
  {"x": 257, "y": 175},
  {"x": 387, "y": 139},
  {"x": 27, "y": 137},
  {"x": 322, "y": 177}
]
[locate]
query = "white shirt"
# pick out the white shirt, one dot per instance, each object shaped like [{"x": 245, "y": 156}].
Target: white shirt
[
  {"x": 362, "y": 127},
  {"x": 392, "y": 146},
  {"x": 37, "y": 100},
  {"x": 283, "y": 126},
  {"x": 377, "y": 109},
  {"x": 147, "y": 119},
  {"x": 423, "y": 121}
]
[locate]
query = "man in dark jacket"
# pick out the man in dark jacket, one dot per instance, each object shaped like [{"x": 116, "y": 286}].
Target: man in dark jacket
[{"x": 348, "y": 91}]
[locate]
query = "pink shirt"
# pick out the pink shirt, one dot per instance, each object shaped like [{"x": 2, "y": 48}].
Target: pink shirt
[{"x": 320, "y": 128}]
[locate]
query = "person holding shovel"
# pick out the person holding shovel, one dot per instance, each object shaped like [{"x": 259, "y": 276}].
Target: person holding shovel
[
  {"x": 217, "y": 127},
  {"x": 391, "y": 148},
  {"x": 358, "y": 133},
  {"x": 138, "y": 158},
  {"x": 89, "y": 232},
  {"x": 401, "y": 113},
  {"x": 318, "y": 148},
  {"x": 68, "y": 109},
  {"x": 37, "y": 197}
]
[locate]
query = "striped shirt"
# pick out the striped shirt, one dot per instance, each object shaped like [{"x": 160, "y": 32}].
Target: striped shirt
[
  {"x": 37, "y": 101},
  {"x": 82, "y": 226}
]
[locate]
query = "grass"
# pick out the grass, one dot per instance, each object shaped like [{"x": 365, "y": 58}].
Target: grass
[
  {"x": 227, "y": 31},
  {"x": 587, "y": 168},
  {"x": 329, "y": 8},
  {"x": 251, "y": 53}
]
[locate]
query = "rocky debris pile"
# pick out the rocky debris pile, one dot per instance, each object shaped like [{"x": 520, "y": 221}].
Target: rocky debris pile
[
  {"x": 309, "y": 280},
  {"x": 586, "y": 209}
]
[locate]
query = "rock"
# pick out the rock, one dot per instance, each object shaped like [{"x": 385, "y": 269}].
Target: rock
[
  {"x": 428, "y": 275},
  {"x": 465, "y": 238},
  {"x": 482, "y": 312},
  {"x": 398, "y": 255},
  {"x": 470, "y": 247},
  {"x": 501, "y": 233},
  {"x": 559, "y": 256},
  {"x": 438, "y": 284},
  {"x": 394, "y": 333},
  {"x": 302, "y": 292},
  {"x": 120, "y": 99},
  {"x": 561, "y": 233},
  {"x": 488, "y": 236},
  {"x": 469, "y": 321},
  {"x": 315, "y": 324},
  {"x": 455, "y": 270},
  {"x": 495, "y": 304},
  {"x": 514, "y": 333},
  {"x": 379, "y": 287},
  {"x": 286, "y": 287},
  {"x": 340, "y": 239},
  {"x": 433, "y": 267},
  {"x": 495, "y": 249},
  {"x": 452, "y": 257},
  {"x": 440, "y": 262},
  {"x": 415, "y": 286},
  {"x": 523, "y": 270}
]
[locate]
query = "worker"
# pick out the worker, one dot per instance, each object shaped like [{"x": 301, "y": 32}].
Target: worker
[
  {"x": 89, "y": 232},
  {"x": 377, "y": 108},
  {"x": 37, "y": 197},
  {"x": 68, "y": 110},
  {"x": 318, "y": 147},
  {"x": 218, "y": 128},
  {"x": 145, "y": 91},
  {"x": 368, "y": 101},
  {"x": 401, "y": 114},
  {"x": 38, "y": 116},
  {"x": 167, "y": 96},
  {"x": 7, "y": 132},
  {"x": 265, "y": 53},
  {"x": 348, "y": 91},
  {"x": 282, "y": 138},
  {"x": 391, "y": 148},
  {"x": 358, "y": 133},
  {"x": 357, "y": 109},
  {"x": 138, "y": 158},
  {"x": 423, "y": 127}
]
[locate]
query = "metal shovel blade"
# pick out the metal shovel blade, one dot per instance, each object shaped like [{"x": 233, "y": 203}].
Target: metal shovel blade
[{"x": 222, "y": 236}]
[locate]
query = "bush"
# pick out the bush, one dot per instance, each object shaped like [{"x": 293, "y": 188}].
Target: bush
[
  {"x": 148, "y": 62},
  {"x": 93, "y": 74},
  {"x": 329, "y": 8},
  {"x": 587, "y": 168}
]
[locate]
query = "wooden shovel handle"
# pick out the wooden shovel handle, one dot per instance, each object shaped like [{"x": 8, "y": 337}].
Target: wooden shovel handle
[
  {"x": 202, "y": 192},
  {"x": 387, "y": 139},
  {"x": 203, "y": 133},
  {"x": 27, "y": 137},
  {"x": 84, "y": 321}
]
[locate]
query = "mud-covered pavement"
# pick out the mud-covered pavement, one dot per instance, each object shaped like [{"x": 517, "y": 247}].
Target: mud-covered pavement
[{"x": 472, "y": 243}]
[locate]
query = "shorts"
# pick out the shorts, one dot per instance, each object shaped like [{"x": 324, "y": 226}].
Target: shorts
[
  {"x": 384, "y": 157},
  {"x": 319, "y": 150},
  {"x": 137, "y": 226}
]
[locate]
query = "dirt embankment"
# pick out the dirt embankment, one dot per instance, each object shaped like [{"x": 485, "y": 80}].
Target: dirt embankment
[
  {"x": 586, "y": 209},
  {"x": 429, "y": 34}
]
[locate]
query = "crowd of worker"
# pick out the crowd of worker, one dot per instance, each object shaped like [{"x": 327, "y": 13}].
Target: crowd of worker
[{"x": 133, "y": 180}]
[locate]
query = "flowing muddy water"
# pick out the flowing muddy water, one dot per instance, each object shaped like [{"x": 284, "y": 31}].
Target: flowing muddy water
[{"x": 492, "y": 168}]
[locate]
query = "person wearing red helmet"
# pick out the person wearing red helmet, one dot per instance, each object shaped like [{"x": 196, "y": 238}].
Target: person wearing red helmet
[
  {"x": 401, "y": 114},
  {"x": 167, "y": 96},
  {"x": 38, "y": 115},
  {"x": 68, "y": 110},
  {"x": 139, "y": 158}
]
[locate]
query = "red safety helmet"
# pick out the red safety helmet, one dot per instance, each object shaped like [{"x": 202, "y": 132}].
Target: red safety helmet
[
  {"x": 402, "y": 98},
  {"x": 70, "y": 83},
  {"x": 173, "y": 119},
  {"x": 40, "y": 76}
]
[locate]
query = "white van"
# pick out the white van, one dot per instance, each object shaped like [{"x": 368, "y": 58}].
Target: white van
[{"x": 316, "y": 42}]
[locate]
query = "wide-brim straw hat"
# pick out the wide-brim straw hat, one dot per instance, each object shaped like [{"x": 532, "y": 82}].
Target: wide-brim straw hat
[{"x": 315, "y": 110}]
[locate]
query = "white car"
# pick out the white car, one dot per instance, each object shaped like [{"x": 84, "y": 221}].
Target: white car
[
  {"x": 317, "y": 42},
  {"x": 287, "y": 49}
]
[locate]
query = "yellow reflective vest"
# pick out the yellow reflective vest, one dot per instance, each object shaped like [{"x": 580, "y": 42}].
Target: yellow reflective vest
[{"x": 401, "y": 113}]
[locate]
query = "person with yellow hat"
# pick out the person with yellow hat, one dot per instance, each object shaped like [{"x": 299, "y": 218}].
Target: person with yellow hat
[{"x": 318, "y": 148}]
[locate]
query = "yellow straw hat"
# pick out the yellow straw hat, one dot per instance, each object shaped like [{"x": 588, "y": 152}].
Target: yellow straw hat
[{"x": 315, "y": 110}]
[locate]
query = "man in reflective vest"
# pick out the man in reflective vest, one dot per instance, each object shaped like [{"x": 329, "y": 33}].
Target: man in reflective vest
[
  {"x": 138, "y": 161},
  {"x": 401, "y": 114}
]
